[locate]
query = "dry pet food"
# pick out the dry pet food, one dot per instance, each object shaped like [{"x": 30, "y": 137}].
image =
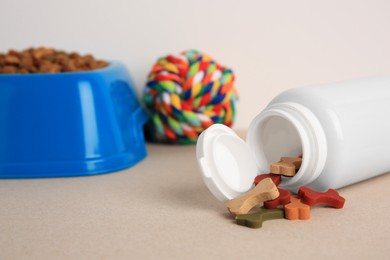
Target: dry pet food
[{"x": 47, "y": 60}]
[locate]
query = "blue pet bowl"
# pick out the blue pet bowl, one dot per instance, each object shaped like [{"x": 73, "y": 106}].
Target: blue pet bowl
[{"x": 69, "y": 124}]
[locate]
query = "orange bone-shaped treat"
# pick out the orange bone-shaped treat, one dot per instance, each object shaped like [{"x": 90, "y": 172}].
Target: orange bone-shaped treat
[
  {"x": 276, "y": 178},
  {"x": 311, "y": 197},
  {"x": 264, "y": 190},
  {"x": 284, "y": 198},
  {"x": 296, "y": 210}
]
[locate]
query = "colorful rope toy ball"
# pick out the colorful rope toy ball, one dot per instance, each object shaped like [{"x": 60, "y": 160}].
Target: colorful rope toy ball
[{"x": 185, "y": 94}]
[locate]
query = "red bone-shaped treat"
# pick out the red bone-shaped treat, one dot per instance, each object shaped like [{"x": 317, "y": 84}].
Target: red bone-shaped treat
[
  {"x": 276, "y": 178},
  {"x": 284, "y": 198},
  {"x": 312, "y": 197}
]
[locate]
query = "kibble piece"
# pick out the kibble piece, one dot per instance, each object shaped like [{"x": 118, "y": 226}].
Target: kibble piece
[
  {"x": 26, "y": 61},
  {"x": 48, "y": 67},
  {"x": 40, "y": 52},
  {"x": 13, "y": 52},
  {"x": 74, "y": 55},
  {"x": 100, "y": 64},
  {"x": 2, "y": 59},
  {"x": 69, "y": 65},
  {"x": 23, "y": 71},
  {"x": 11, "y": 60},
  {"x": 9, "y": 69}
]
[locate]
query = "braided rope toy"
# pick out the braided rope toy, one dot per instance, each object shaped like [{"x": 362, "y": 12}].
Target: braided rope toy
[{"x": 185, "y": 94}]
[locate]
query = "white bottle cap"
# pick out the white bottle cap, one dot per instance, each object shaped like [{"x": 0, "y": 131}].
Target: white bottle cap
[{"x": 227, "y": 164}]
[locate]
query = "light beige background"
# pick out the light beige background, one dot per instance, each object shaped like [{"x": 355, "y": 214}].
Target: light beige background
[
  {"x": 160, "y": 208},
  {"x": 271, "y": 45}
]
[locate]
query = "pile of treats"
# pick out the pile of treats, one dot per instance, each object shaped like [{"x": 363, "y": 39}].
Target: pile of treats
[
  {"x": 46, "y": 60},
  {"x": 279, "y": 203}
]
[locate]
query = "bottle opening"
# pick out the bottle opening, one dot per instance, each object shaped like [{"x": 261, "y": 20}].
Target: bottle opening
[
  {"x": 288, "y": 130},
  {"x": 277, "y": 137}
]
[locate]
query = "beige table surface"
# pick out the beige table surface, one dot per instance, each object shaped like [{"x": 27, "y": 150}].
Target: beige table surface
[{"x": 160, "y": 209}]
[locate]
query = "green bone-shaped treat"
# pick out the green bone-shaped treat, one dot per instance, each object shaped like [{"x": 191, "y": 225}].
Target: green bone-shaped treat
[{"x": 255, "y": 220}]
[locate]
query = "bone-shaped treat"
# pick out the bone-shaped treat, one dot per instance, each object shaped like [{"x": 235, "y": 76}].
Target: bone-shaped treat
[
  {"x": 264, "y": 190},
  {"x": 296, "y": 210},
  {"x": 255, "y": 220},
  {"x": 297, "y": 161},
  {"x": 311, "y": 197},
  {"x": 276, "y": 178},
  {"x": 287, "y": 166},
  {"x": 284, "y": 198},
  {"x": 283, "y": 168}
]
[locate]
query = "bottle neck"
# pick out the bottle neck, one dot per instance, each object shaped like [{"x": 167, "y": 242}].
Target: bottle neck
[{"x": 289, "y": 130}]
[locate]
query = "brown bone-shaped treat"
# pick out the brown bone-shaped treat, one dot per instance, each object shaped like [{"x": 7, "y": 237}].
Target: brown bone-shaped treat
[
  {"x": 283, "y": 168},
  {"x": 14, "y": 60},
  {"x": 264, "y": 190},
  {"x": 287, "y": 166},
  {"x": 297, "y": 161}
]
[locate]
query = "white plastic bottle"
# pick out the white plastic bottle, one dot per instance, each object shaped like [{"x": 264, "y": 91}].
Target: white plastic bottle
[{"x": 341, "y": 129}]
